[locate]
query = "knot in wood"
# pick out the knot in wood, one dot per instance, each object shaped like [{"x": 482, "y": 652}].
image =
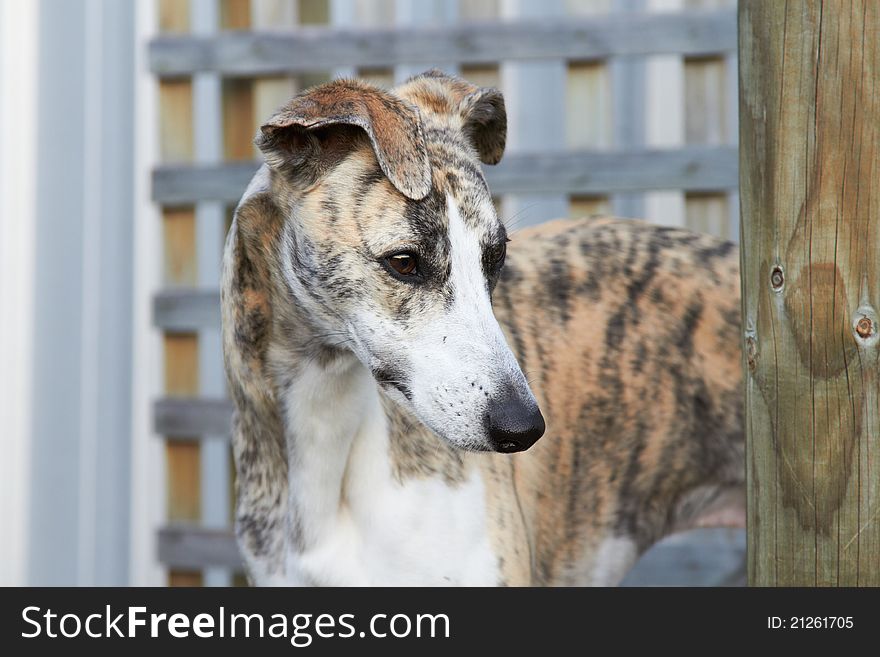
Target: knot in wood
[
  {"x": 751, "y": 353},
  {"x": 777, "y": 278},
  {"x": 865, "y": 328}
]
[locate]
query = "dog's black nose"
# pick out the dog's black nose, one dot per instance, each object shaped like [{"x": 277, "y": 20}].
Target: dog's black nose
[{"x": 514, "y": 424}]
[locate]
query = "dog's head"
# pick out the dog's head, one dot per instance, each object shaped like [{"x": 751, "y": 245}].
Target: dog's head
[{"x": 391, "y": 246}]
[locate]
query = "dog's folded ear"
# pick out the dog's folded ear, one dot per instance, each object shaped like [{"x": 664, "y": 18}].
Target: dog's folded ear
[
  {"x": 318, "y": 127},
  {"x": 481, "y": 109}
]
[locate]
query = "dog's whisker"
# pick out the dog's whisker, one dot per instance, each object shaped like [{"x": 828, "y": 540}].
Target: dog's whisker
[
  {"x": 511, "y": 223},
  {"x": 323, "y": 336}
]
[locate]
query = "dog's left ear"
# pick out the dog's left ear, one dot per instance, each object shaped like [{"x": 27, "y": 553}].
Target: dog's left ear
[
  {"x": 317, "y": 128},
  {"x": 486, "y": 123},
  {"x": 482, "y": 111}
]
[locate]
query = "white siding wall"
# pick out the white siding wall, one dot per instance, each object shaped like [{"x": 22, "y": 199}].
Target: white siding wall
[
  {"x": 18, "y": 28},
  {"x": 67, "y": 184},
  {"x": 147, "y": 454}
]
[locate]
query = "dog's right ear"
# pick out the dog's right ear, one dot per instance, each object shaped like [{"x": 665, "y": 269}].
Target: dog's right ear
[
  {"x": 480, "y": 109},
  {"x": 318, "y": 128}
]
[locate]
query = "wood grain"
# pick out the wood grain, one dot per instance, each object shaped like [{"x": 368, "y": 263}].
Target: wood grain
[
  {"x": 175, "y": 120},
  {"x": 184, "y": 469},
  {"x": 179, "y": 246},
  {"x": 239, "y": 124},
  {"x": 810, "y": 189},
  {"x": 235, "y": 14},
  {"x": 587, "y": 206},
  {"x": 173, "y": 16},
  {"x": 184, "y": 578}
]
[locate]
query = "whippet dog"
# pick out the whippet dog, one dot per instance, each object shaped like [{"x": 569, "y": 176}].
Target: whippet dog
[{"x": 387, "y": 356}]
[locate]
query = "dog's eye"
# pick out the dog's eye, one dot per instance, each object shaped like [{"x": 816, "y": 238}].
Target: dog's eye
[
  {"x": 405, "y": 264},
  {"x": 497, "y": 255}
]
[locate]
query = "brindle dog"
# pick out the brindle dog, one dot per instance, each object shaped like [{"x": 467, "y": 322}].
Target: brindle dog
[{"x": 376, "y": 335}]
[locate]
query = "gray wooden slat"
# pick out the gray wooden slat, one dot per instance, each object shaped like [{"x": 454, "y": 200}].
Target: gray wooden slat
[
  {"x": 187, "y": 184},
  {"x": 691, "y": 169},
  {"x": 690, "y": 33},
  {"x": 177, "y": 417},
  {"x": 190, "y": 547},
  {"x": 186, "y": 309}
]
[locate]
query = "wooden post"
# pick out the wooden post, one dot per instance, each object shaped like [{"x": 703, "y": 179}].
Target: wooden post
[{"x": 810, "y": 193}]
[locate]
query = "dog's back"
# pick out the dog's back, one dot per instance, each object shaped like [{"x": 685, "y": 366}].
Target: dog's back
[{"x": 629, "y": 336}]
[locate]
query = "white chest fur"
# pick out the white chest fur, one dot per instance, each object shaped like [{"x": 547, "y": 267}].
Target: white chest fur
[{"x": 357, "y": 524}]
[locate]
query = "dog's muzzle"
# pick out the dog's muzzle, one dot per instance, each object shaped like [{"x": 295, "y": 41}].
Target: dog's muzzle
[{"x": 514, "y": 424}]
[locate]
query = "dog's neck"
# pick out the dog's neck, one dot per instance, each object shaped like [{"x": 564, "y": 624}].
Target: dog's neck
[
  {"x": 341, "y": 432},
  {"x": 324, "y": 407},
  {"x": 361, "y": 476}
]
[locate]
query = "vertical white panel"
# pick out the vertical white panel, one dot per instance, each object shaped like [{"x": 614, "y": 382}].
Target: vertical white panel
[
  {"x": 343, "y": 13},
  {"x": 148, "y": 490},
  {"x": 272, "y": 93},
  {"x": 18, "y": 98},
  {"x": 208, "y": 145},
  {"x": 78, "y": 507},
  {"x": 628, "y": 102},
  {"x": 112, "y": 350},
  {"x": 90, "y": 318},
  {"x": 410, "y": 13},
  {"x": 53, "y": 516},
  {"x": 665, "y": 121},
  {"x": 535, "y": 95}
]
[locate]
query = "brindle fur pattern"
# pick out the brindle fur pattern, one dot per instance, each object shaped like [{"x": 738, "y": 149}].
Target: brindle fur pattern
[
  {"x": 627, "y": 332},
  {"x": 631, "y": 345}
]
